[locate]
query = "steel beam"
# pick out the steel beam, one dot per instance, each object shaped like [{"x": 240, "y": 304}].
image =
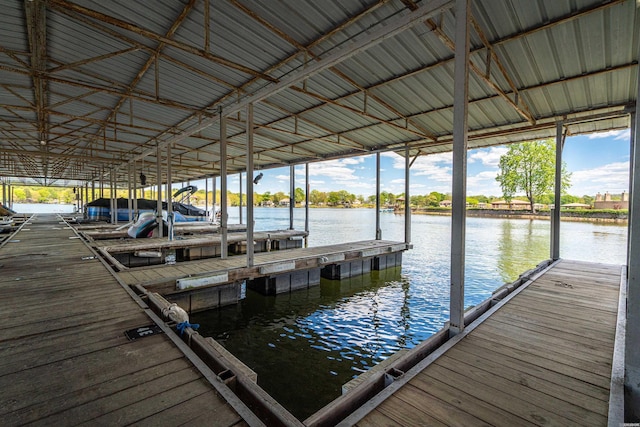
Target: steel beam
[
  {"x": 223, "y": 187},
  {"x": 159, "y": 190},
  {"x": 555, "y": 213},
  {"x": 292, "y": 194},
  {"x": 250, "y": 223},
  {"x": 378, "y": 229},
  {"x": 306, "y": 203},
  {"x": 130, "y": 192},
  {"x": 169, "y": 196},
  {"x": 407, "y": 196},
  {"x": 391, "y": 29},
  {"x": 135, "y": 190},
  {"x": 459, "y": 190},
  {"x": 632, "y": 339}
]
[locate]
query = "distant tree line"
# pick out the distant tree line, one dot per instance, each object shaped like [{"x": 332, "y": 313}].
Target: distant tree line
[{"x": 28, "y": 194}]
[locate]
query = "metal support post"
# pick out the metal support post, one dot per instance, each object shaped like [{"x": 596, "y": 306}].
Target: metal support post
[
  {"x": 240, "y": 202},
  {"x": 407, "y": 197},
  {"x": 159, "y": 191},
  {"x": 169, "y": 196},
  {"x": 250, "y": 223},
  {"x": 135, "y": 190},
  {"x": 292, "y": 194},
  {"x": 555, "y": 214},
  {"x": 130, "y": 193},
  {"x": 632, "y": 338},
  {"x": 206, "y": 195},
  {"x": 112, "y": 198},
  {"x": 223, "y": 186},
  {"x": 378, "y": 227},
  {"x": 306, "y": 204},
  {"x": 214, "y": 198},
  {"x": 458, "y": 211}
]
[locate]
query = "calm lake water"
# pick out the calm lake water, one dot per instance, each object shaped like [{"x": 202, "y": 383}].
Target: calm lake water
[{"x": 307, "y": 344}]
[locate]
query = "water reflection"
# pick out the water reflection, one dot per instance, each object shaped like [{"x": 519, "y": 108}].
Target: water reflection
[
  {"x": 318, "y": 338},
  {"x": 520, "y": 243}
]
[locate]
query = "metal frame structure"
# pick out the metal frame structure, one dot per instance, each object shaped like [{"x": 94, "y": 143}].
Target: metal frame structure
[
  {"x": 329, "y": 90},
  {"x": 258, "y": 85}
]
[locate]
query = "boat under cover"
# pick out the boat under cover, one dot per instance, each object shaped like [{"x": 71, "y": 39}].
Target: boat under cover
[{"x": 100, "y": 210}]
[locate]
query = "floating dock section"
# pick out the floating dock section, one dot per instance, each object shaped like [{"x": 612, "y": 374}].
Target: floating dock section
[{"x": 215, "y": 282}]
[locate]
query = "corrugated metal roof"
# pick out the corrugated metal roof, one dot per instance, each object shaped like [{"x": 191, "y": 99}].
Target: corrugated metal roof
[{"x": 105, "y": 103}]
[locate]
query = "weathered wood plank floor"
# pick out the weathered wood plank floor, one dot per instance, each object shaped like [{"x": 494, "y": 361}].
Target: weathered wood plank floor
[
  {"x": 544, "y": 358},
  {"x": 64, "y": 358}
]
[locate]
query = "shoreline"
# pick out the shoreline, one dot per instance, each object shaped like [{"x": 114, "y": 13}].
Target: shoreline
[{"x": 600, "y": 217}]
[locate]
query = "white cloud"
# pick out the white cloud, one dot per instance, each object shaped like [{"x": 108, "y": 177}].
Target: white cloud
[
  {"x": 484, "y": 183},
  {"x": 282, "y": 178},
  {"x": 434, "y": 166},
  {"x": 613, "y": 177},
  {"x": 352, "y": 160},
  {"x": 489, "y": 157},
  {"x": 389, "y": 154},
  {"x": 617, "y": 134}
]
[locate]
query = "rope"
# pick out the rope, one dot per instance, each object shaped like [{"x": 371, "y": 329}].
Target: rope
[{"x": 181, "y": 327}]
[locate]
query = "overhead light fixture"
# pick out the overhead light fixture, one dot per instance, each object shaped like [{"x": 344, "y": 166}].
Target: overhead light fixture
[{"x": 43, "y": 142}]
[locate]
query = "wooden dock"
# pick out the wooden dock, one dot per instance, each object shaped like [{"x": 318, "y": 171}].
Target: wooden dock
[
  {"x": 219, "y": 280},
  {"x": 543, "y": 358},
  {"x": 64, "y": 356},
  {"x": 125, "y": 253}
]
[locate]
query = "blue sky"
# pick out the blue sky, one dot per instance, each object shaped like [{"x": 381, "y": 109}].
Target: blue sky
[{"x": 598, "y": 162}]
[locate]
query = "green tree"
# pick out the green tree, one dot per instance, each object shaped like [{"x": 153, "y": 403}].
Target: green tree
[
  {"x": 299, "y": 195},
  {"x": 530, "y": 167},
  {"x": 279, "y": 196},
  {"x": 567, "y": 198},
  {"x": 334, "y": 198},
  {"x": 418, "y": 200},
  {"x": 317, "y": 197},
  {"x": 387, "y": 199}
]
